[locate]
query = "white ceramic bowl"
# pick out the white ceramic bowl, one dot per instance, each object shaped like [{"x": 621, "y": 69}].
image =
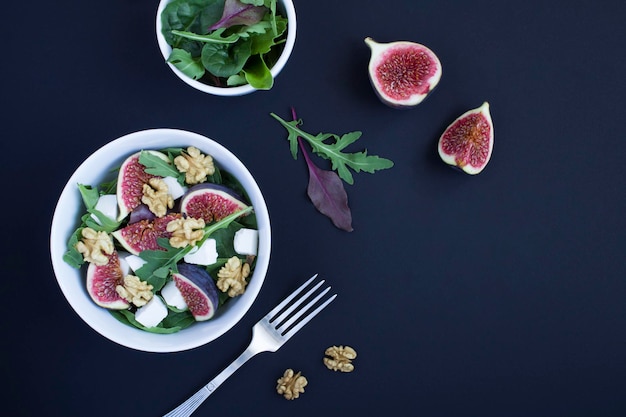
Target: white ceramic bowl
[
  {"x": 286, "y": 7},
  {"x": 72, "y": 281}
]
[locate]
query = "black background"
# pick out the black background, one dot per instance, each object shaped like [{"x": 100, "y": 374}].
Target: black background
[{"x": 502, "y": 294}]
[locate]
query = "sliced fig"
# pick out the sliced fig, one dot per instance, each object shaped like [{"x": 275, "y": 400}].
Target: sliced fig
[
  {"x": 402, "y": 73},
  {"x": 143, "y": 235},
  {"x": 130, "y": 181},
  {"x": 211, "y": 202},
  {"x": 102, "y": 281},
  {"x": 198, "y": 290},
  {"x": 468, "y": 142}
]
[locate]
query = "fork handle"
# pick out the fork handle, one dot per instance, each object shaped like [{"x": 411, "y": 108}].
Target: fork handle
[{"x": 189, "y": 406}]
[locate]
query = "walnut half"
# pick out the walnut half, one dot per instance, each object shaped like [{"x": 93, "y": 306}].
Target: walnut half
[
  {"x": 339, "y": 358},
  {"x": 95, "y": 246},
  {"x": 156, "y": 196},
  {"x": 185, "y": 231},
  {"x": 232, "y": 276},
  {"x": 135, "y": 290},
  {"x": 195, "y": 165},
  {"x": 291, "y": 385}
]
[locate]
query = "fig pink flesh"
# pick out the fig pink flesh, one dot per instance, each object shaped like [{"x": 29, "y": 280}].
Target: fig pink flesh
[
  {"x": 466, "y": 140},
  {"x": 197, "y": 304},
  {"x": 143, "y": 234},
  {"x": 210, "y": 207},
  {"x": 134, "y": 177},
  {"x": 405, "y": 71},
  {"x": 103, "y": 281}
]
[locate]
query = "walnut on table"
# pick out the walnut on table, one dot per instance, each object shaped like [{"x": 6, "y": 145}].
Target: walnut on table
[
  {"x": 339, "y": 358},
  {"x": 291, "y": 384}
]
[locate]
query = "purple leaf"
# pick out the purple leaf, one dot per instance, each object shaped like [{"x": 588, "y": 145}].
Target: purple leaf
[
  {"x": 327, "y": 192},
  {"x": 238, "y": 13}
]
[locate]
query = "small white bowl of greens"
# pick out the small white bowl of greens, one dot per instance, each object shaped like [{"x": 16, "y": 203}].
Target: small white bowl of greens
[
  {"x": 114, "y": 312},
  {"x": 226, "y": 47}
]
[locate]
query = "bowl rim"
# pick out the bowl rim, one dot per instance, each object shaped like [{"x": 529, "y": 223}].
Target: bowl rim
[
  {"x": 166, "y": 49},
  {"x": 69, "y": 209}
]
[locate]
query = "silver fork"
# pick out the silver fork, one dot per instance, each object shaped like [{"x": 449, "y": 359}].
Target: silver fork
[{"x": 268, "y": 335}]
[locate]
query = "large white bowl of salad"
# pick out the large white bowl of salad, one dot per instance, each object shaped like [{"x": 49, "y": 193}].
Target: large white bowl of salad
[
  {"x": 160, "y": 240},
  {"x": 226, "y": 47}
]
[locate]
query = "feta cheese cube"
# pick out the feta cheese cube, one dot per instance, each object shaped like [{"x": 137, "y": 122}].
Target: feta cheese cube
[
  {"x": 124, "y": 266},
  {"x": 134, "y": 262},
  {"x": 152, "y": 313},
  {"x": 173, "y": 297},
  {"x": 205, "y": 254},
  {"x": 107, "y": 205},
  {"x": 246, "y": 241},
  {"x": 174, "y": 188}
]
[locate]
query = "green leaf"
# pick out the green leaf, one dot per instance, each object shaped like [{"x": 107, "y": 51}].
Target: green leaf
[
  {"x": 263, "y": 42},
  {"x": 224, "y": 61},
  {"x": 213, "y": 37},
  {"x": 73, "y": 257},
  {"x": 89, "y": 195},
  {"x": 188, "y": 65},
  {"x": 258, "y": 74},
  {"x": 157, "y": 166},
  {"x": 237, "y": 79},
  {"x": 189, "y": 15},
  {"x": 334, "y": 151}
]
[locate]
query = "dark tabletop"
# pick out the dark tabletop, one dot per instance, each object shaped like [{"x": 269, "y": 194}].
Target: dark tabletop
[{"x": 502, "y": 294}]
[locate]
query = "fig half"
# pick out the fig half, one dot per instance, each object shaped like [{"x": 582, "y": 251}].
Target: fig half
[
  {"x": 402, "y": 73},
  {"x": 468, "y": 142}
]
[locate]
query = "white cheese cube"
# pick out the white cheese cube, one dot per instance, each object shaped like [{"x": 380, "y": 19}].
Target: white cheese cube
[
  {"x": 124, "y": 266},
  {"x": 152, "y": 313},
  {"x": 246, "y": 241},
  {"x": 173, "y": 297},
  {"x": 174, "y": 188},
  {"x": 134, "y": 262},
  {"x": 205, "y": 254},
  {"x": 107, "y": 205}
]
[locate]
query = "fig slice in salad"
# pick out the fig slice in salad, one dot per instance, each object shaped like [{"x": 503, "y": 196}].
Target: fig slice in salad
[{"x": 130, "y": 181}]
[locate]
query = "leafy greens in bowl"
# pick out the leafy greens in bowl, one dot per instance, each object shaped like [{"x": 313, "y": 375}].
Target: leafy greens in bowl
[
  {"x": 68, "y": 215},
  {"x": 226, "y": 47}
]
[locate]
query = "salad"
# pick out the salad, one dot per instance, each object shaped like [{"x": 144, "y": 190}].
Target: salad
[
  {"x": 167, "y": 241},
  {"x": 225, "y": 43}
]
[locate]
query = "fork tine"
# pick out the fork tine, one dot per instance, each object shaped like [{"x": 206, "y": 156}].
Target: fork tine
[
  {"x": 308, "y": 318},
  {"x": 281, "y": 327},
  {"x": 283, "y": 316},
  {"x": 286, "y": 301}
]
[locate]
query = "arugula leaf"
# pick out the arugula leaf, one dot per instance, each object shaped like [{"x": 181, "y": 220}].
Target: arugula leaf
[
  {"x": 188, "y": 65},
  {"x": 334, "y": 151},
  {"x": 157, "y": 166},
  {"x": 216, "y": 36},
  {"x": 90, "y": 196},
  {"x": 73, "y": 257},
  {"x": 213, "y": 37}
]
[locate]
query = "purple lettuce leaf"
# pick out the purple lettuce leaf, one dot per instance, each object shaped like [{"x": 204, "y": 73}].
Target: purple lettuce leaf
[
  {"x": 327, "y": 192},
  {"x": 238, "y": 13}
]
